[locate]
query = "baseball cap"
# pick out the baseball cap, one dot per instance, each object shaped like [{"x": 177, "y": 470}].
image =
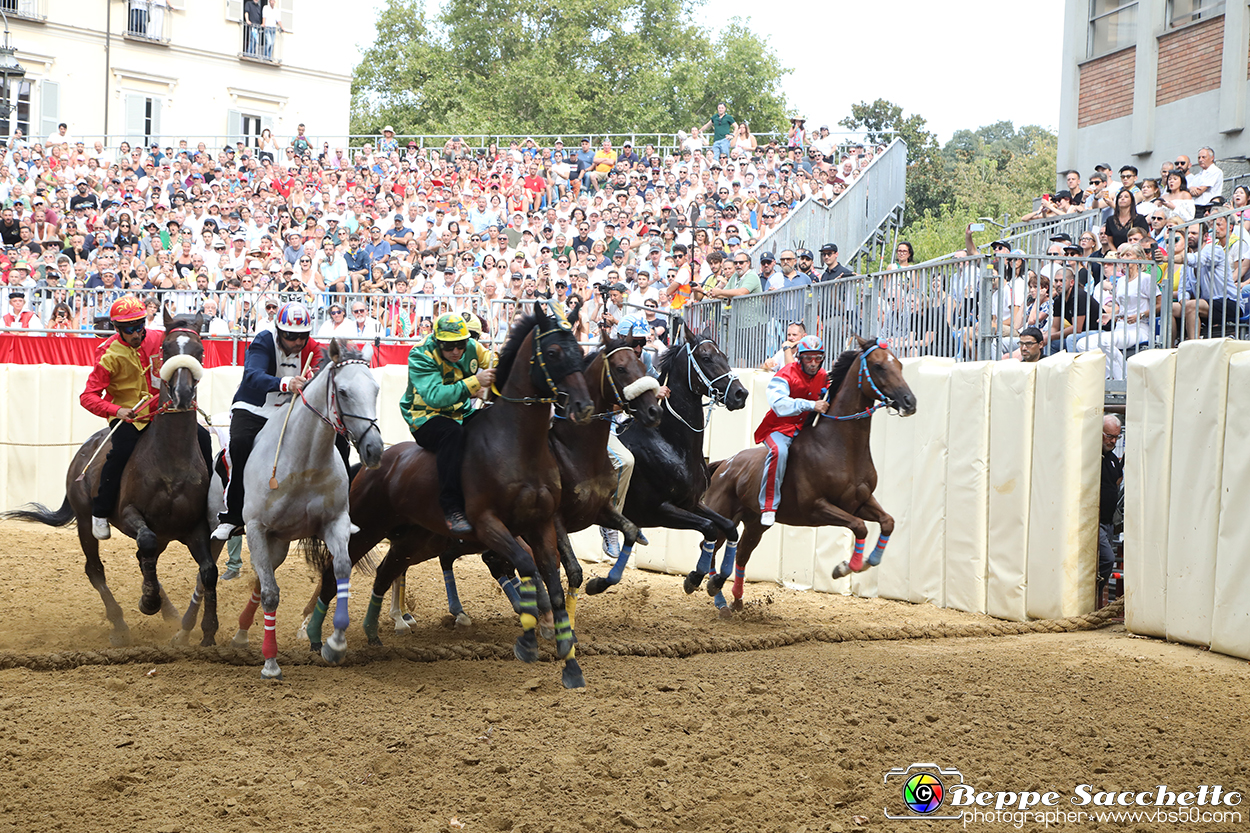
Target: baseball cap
[{"x": 828, "y": 247}]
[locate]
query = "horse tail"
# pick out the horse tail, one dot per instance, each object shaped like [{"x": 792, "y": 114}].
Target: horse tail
[
  {"x": 39, "y": 513},
  {"x": 318, "y": 557}
]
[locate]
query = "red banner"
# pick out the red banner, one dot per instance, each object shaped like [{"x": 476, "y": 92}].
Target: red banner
[{"x": 80, "y": 350}]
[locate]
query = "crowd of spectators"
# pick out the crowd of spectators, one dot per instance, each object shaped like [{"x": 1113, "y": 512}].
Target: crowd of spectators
[{"x": 383, "y": 237}]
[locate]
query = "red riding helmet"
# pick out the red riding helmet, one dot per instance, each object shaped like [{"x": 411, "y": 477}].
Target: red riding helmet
[{"x": 127, "y": 309}]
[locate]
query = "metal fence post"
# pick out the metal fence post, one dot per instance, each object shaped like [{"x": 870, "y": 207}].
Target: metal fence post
[{"x": 874, "y": 296}]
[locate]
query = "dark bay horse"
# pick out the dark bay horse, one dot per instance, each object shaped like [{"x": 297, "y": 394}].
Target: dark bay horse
[
  {"x": 830, "y": 478},
  {"x": 670, "y": 475},
  {"x": 615, "y": 378},
  {"x": 164, "y": 489},
  {"x": 511, "y": 484}
]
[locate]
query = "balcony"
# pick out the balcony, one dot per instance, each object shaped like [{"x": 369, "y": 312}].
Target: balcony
[
  {"x": 262, "y": 44},
  {"x": 149, "y": 21},
  {"x": 27, "y": 9}
]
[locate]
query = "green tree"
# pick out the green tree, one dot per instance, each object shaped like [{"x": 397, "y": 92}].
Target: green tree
[
  {"x": 541, "y": 66},
  {"x": 881, "y": 122}
]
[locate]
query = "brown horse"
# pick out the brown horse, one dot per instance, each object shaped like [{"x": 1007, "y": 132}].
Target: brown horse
[
  {"x": 830, "y": 478},
  {"x": 511, "y": 484},
  {"x": 164, "y": 489}
]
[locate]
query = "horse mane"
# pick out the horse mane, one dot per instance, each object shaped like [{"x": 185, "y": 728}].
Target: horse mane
[
  {"x": 843, "y": 365},
  {"x": 512, "y": 346},
  {"x": 346, "y": 352},
  {"x": 664, "y": 364}
]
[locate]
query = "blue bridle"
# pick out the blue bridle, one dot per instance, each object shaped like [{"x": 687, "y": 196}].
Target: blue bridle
[{"x": 865, "y": 376}]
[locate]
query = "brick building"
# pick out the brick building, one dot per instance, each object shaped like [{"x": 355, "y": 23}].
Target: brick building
[{"x": 1144, "y": 80}]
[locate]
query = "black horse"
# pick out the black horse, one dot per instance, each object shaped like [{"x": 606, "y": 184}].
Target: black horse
[{"x": 670, "y": 474}]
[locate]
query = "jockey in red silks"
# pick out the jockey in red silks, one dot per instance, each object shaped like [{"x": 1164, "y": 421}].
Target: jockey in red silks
[{"x": 795, "y": 391}]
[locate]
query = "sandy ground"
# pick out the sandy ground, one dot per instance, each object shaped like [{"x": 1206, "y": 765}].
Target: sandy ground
[{"x": 734, "y": 736}]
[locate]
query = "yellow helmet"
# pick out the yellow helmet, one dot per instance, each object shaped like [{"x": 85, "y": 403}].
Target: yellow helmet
[
  {"x": 473, "y": 323},
  {"x": 450, "y": 327}
]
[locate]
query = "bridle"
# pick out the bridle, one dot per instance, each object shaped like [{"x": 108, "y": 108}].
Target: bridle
[
  {"x": 332, "y": 407},
  {"x": 631, "y": 392},
  {"x": 558, "y": 397},
  {"x": 165, "y": 409},
  {"x": 883, "y": 401},
  {"x": 716, "y": 397}
]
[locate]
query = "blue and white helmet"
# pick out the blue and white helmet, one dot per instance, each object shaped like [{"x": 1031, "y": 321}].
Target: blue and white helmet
[{"x": 633, "y": 325}]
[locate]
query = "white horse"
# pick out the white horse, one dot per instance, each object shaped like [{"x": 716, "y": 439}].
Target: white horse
[{"x": 304, "y": 494}]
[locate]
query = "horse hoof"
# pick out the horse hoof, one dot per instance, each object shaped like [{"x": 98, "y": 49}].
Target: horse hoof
[
  {"x": 526, "y": 647},
  {"x": 240, "y": 639},
  {"x": 842, "y": 570},
  {"x": 334, "y": 650},
  {"x": 409, "y": 620},
  {"x": 642, "y": 539},
  {"x": 150, "y": 605},
  {"x": 271, "y": 671},
  {"x": 373, "y": 640},
  {"x": 315, "y": 647},
  {"x": 596, "y": 586},
  {"x": 179, "y": 640},
  {"x": 724, "y": 614},
  {"x": 208, "y": 641},
  {"x": 572, "y": 676},
  {"x": 736, "y": 606},
  {"x": 401, "y": 627},
  {"x": 692, "y": 582},
  {"x": 120, "y": 638},
  {"x": 715, "y": 583},
  {"x": 463, "y": 622}
]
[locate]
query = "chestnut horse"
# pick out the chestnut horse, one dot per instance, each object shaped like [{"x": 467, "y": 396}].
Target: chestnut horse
[
  {"x": 511, "y": 484},
  {"x": 164, "y": 490},
  {"x": 830, "y": 478}
]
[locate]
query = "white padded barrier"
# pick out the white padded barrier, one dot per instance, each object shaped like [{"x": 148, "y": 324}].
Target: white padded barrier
[
  {"x": 1230, "y": 618},
  {"x": 967, "y": 486},
  {"x": 1011, "y": 470},
  {"x": 1147, "y": 488},
  {"x": 1062, "y": 552},
  {"x": 893, "y": 446},
  {"x": 929, "y": 459},
  {"x": 1197, "y": 466}
]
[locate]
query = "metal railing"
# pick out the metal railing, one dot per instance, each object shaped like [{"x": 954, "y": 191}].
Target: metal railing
[
  {"x": 872, "y": 200},
  {"x": 31, "y": 9},
  {"x": 148, "y": 20},
  {"x": 261, "y": 43}
]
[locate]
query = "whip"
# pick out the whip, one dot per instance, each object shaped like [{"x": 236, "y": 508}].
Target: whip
[
  {"x": 103, "y": 443},
  {"x": 273, "y": 476}
]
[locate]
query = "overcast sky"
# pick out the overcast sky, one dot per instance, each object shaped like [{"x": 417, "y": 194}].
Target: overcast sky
[{"x": 960, "y": 65}]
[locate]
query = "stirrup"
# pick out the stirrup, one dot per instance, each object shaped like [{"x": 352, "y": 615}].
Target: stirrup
[
  {"x": 458, "y": 523},
  {"x": 100, "y": 528}
]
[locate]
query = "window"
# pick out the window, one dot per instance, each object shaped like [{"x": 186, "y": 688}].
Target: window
[
  {"x": 1112, "y": 25},
  {"x": 246, "y": 127},
  {"x": 15, "y": 92},
  {"x": 1182, "y": 12},
  {"x": 143, "y": 120}
]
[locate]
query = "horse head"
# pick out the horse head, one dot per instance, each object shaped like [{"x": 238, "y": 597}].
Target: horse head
[
  {"x": 625, "y": 377},
  {"x": 881, "y": 377},
  {"x": 557, "y": 362},
  {"x": 353, "y": 401},
  {"x": 182, "y": 362},
  {"x": 710, "y": 364}
]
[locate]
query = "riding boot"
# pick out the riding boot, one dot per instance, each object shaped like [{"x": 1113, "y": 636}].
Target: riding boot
[{"x": 125, "y": 437}]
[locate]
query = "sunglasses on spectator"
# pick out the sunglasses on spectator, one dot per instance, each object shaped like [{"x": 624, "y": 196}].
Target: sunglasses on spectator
[
  {"x": 271, "y": 306},
  {"x": 1029, "y": 342},
  {"x": 336, "y": 312}
]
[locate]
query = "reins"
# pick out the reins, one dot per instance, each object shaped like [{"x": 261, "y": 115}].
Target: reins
[
  {"x": 715, "y": 396},
  {"x": 536, "y": 357}
]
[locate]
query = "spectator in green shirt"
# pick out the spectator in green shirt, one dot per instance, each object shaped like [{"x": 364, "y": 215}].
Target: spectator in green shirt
[
  {"x": 744, "y": 281},
  {"x": 723, "y": 126}
]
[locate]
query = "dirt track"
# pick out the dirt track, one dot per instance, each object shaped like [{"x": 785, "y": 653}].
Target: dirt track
[{"x": 794, "y": 738}]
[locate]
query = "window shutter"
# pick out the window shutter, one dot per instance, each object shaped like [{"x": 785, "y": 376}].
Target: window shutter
[
  {"x": 234, "y": 126},
  {"x": 180, "y": 5},
  {"x": 286, "y": 14},
  {"x": 136, "y": 115},
  {"x": 156, "y": 123},
  {"x": 234, "y": 11},
  {"x": 49, "y": 107}
]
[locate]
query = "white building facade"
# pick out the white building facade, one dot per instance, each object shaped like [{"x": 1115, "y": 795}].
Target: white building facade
[{"x": 149, "y": 71}]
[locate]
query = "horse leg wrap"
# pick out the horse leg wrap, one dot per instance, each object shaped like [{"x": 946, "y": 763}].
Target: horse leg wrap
[
  {"x": 508, "y": 585},
  {"x": 707, "y": 552},
  {"x": 719, "y": 601},
  {"x": 196, "y": 595},
  {"x": 341, "y": 617},
  {"x": 564, "y": 634},
  {"x": 529, "y": 604},
  {"x": 614, "y": 575},
  {"x": 371, "y": 618},
  {"x": 875, "y": 558},
  {"x": 316, "y": 620},
  {"x": 453, "y": 598},
  {"x": 857, "y": 559},
  {"x": 728, "y": 559},
  {"x": 269, "y": 648},
  {"x": 248, "y": 616},
  {"x": 739, "y": 576}
]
